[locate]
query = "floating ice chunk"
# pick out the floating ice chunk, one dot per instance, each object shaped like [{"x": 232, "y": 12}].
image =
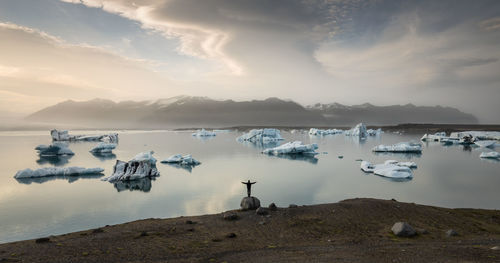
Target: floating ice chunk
[
  {"x": 390, "y": 168},
  {"x": 480, "y": 135},
  {"x": 490, "y": 155},
  {"x": 436, "y": 137},
  {"x": 314, "y": 131},
  {"x": 293, "y": 148},
  {"x": 486, "y": 144},
  {"x": 182, "y": 160},
  {"x": 143, "y": 165},
  {"x": 204, "y": 133},
  {"x": 372, "y": 132},
  {"x": 261, "y": 135},
  {"x": 54, "y": 149},
  {"x": 103, "y": 147},
  {"x": 57, "y": 171},
  {"x": 406, "y": 164},
  {"x": 449, "y": 141},
  {"x": 63, "y": 135},
  {"x": 402, "y": 147},
  {"x": 358, "y": 130}
]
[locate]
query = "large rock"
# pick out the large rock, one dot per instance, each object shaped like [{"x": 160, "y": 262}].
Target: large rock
[
  {"x": 403, "y": 229},
  {"x": 250, "y": 203}
]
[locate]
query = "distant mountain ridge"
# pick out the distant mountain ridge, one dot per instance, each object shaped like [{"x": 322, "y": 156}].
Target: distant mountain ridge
[{"x": 187, "y": 111}]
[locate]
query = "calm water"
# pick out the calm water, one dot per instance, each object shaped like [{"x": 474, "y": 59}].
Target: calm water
[{"x": 446, "y": 176}]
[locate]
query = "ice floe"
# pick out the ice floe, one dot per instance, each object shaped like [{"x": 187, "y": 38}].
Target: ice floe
[
  {"x": 402, "y": 147},
  {"x": 436, "y": 137},
  {"x": 63, "y": 135},
  {"x": 390, "y": 168},
  {"x": 261, "y": 135},
  {"x": 479, "y": 135},
  {"x": 204, "y": 133},
  {"x": 486, "y": 144},
  {"x": 293, "y": 148},
  {"x": 490, "y": 155},
  {"x": 57, "y": 171},
  {"x": 182, "y": 160},
  {"x": 103, "y": 147},
  {"x": 358, "y": 130},
  {"x": 143, "y": 165},
  {"x": 314, "y": 131},
  {"x": 372, "y": 132},
  {"x": 54, "y": 149}
]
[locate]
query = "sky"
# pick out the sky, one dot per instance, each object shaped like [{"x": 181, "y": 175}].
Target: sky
[{"x": 383, "y": 52}]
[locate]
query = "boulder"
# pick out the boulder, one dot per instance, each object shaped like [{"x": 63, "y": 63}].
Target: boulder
[
  {"x": 230, "y": 216},
  {"x": 250, "y": 203},
  {"x": 273, "y": 207},
  {"x": 403, "y": 229},
  {"x": 261, "y": 211}
]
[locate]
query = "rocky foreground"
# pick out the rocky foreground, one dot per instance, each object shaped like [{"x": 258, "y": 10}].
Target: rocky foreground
[{"x": 356, "y": 230}]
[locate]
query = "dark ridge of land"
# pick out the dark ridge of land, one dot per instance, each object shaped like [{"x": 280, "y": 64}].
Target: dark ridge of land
[{"x": 355, "y": 230}]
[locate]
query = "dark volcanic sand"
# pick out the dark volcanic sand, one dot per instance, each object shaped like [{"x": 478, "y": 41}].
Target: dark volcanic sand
[{"x": 356, "y": 230}]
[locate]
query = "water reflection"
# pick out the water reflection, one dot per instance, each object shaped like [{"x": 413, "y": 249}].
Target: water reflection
[
  {"x": 71, "y": 179},
  {"x": 298, "y": 157},
  {"x": 56, "y": 160},
  {"x": 143, "y": 185},
  {"x": 261, "y": 145},
  {"x": 188, "y": 168},
  {"x": 396, "y": 154},
  {"x": 104, "y": 156}
]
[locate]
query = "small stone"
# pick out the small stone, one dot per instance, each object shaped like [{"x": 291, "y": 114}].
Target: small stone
[
  {"x": 189, "y": 222},
  {"x": 231, "y": 235},
  {"x": 230, "y": 216},
  {"x": 216, "y": 240},
  {"x": 292, "y": 206},
  {"x": 495, "y": 248},
  {"x": 144, "y": 233},
  {"x": 273, "y": 207},
  {"x": 97, "y": 231},
  {"x": 42, "y": 240},
  {"x": 261, "y": 211},
  {"x": 422, "y": 231},
  {"x": 451, "y": 233},
  {"x": 262, "y": 222},
  {"x": 190, "y": 229},
  {"x": 403, "y": 229},
  {"x": 340, "y": 156},
  {"x": 394, "y": 200}
]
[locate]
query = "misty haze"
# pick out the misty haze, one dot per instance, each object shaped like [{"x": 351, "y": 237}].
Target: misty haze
[{"x": 249, "y": 131}]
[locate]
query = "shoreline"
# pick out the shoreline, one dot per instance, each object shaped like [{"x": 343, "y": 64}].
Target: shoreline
[{"x": 353, "y": 230}]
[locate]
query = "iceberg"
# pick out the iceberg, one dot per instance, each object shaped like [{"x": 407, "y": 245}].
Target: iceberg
[
  {"x": 402, "y": 147},
  {"x": 314, "y": 131},
  {"x": 293, "y": 148},
  {"x": 63, "y": 135},
  {"x": 372, "y": 132},
  {"x": 406, "y": 164},
  {"x": 103, "y": 147},
  {"x": 358, "y": 130},
  {"x": 490, "y": 155},
  {"x": 54, "y": 149},
  {"x": 143, "y": 165},
  {"x": 57, "y": 171},
  {"x": 187, "y": 160},
  {"x": 204, "y": 133},
  {"x": 436, "y": 137},
  {"x": 479, "y": 135},
  {"x": 261, "y": 135},
  {"x": 486, "y": 144},
  {"x": 390, "y": 168}
]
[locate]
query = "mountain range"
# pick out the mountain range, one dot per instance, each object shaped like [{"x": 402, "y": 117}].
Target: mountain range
[{"x": 187, "y": 111}]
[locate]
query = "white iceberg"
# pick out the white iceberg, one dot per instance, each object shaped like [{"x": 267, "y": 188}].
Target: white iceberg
[
  {"x": 490, "y": 155},
  {"x": 182, "y": 160},
  {"x": 314, "y": 131},
  {"x": 54, "y": 149},
  {"x": 436, "y": 137},
  {"x": 293, "y": 148},
  {"x": 406, "y": 164},
  {"x": 449, "y": 141},
  {"x": 359, "y": 130},
  {"x": 261, "y": 135},
  {"x": 390, "y": 168},
  {"x": 479, "y": 135},
  {"x": 486, "y": 144},
  {"x": 402, "y": 147},
  {"x": 63, "y": 135},
  {"x": 57, "y": 171},
  {"x": 372, "y": 132},
  {"x": 143, "y": 165},
  {"x": 103, "y": 147},
  {"x": 204, "y": 133}
]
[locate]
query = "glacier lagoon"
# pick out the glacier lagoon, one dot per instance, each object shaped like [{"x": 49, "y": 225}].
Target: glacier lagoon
[{"x": 449, "y": 176}]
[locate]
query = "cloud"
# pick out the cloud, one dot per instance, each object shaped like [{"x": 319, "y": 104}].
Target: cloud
[{"x": 490, "y": 24}]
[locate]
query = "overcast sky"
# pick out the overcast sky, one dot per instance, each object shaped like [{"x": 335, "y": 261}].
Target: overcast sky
[{"x": 383, "y": 52}]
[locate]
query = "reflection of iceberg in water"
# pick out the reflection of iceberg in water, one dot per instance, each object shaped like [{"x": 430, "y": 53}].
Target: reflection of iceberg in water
[
  {"x": 188, "y": 168},
  {"x": 261, "y": 145},
  {"x": 56, "y": 160},
  {"x": 71, "y": 179},
  {"x": 104, "y": 156},
  {"x": 399, "y": 154},
  {"x": 143, "y": 184},
  {"x": 298, "y": 157}
]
